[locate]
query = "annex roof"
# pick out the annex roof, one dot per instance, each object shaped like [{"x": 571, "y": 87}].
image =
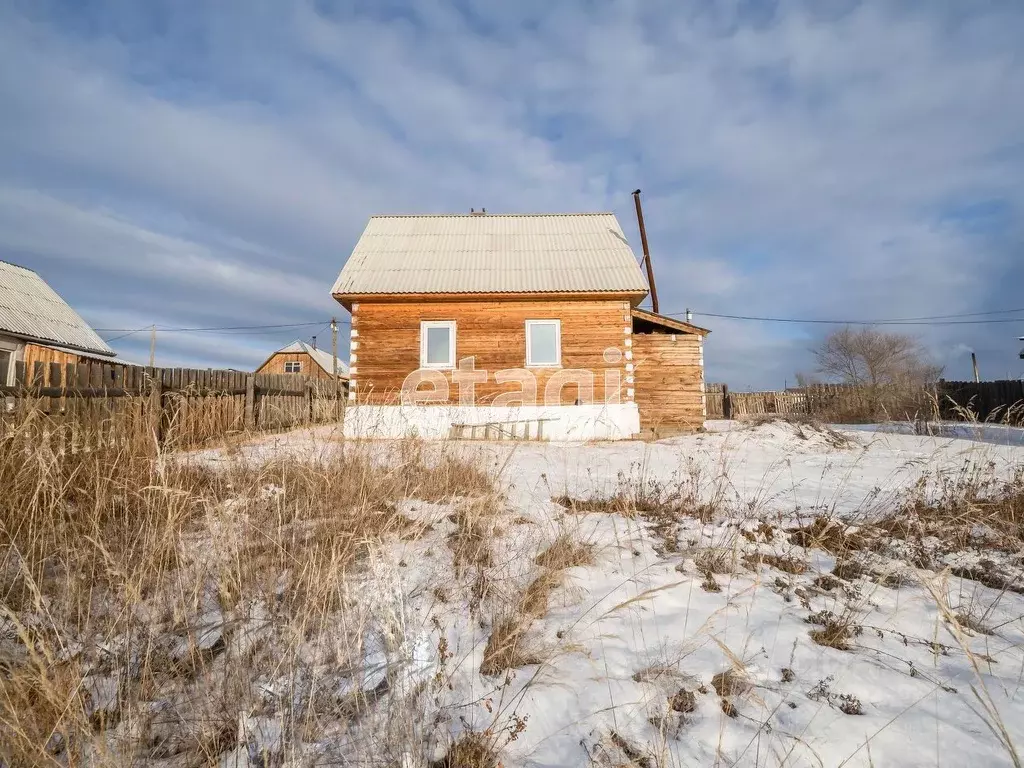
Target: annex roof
[
  {"x": 492, "y": 253},
  {"x": 320, "y": 356},
  {"x": 668, "y": 323},
  {"x": 31, "y": 309}
]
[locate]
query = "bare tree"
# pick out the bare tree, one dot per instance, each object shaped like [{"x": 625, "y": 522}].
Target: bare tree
[{"x": 868, "y": 356}]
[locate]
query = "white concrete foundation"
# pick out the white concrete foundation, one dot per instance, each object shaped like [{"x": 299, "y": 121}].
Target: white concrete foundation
[{"x": 612, "y": 421}]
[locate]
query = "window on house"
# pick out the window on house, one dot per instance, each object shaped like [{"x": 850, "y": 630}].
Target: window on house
[
  {"x": 5, "y": 366},
  {"x": 293, "y": 367},
  {"x": 543, "y": 343},
  {"x": 437, "y": 344}
]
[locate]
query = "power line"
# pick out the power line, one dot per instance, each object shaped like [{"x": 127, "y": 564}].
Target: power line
[
  {"x": 933, "y": 320},
  {"x": 214, "y": 328},
  {"x": 271, "y": 332},
  {"x": 123, "y": 335},
  {"x": 964, "y": 314}
]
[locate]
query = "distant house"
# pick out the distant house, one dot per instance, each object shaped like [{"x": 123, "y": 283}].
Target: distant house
[
  {"x": 302, "y": 358},
  {"x": 512, "y": 326},
  {"x": 37, "y": 325}
]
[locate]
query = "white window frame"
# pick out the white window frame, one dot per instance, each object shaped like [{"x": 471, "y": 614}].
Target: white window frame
[
  {"x": 452, "y": 332},
  {"x": 530, "y": 363},
  {"x": 289, "y": 363},
  {"x": 5, "y": 368},
  {"x": 7, "y": 374}
]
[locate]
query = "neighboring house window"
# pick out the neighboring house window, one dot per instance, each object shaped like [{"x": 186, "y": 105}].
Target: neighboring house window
[
  {"x": 543, "y": 343},
  {"x": 5, "y": 367},
  {"x": 437, "y": 344},
  {"x": 293, "y": 367}
]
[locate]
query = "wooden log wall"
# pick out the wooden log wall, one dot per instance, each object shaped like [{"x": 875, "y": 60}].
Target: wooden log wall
[
  {"x": 386, "y": 345},
  {"x": 310, "y": 369},
  {"x": 669, "y": 379}
]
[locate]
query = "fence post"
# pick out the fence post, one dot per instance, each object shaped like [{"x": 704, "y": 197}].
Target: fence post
[
  {"x": 156, "y": 405},
  {"x": 250, "y": 401},
  {"x": 726, "y": 403},
  {"x": 309, "y": 401}
]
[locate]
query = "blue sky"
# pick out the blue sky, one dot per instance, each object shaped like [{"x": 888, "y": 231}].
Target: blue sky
[{"x": 212, "y": 164}]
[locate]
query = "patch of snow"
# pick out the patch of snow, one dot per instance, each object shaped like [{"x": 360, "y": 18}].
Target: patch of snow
[{"x": 899, "y": 694}]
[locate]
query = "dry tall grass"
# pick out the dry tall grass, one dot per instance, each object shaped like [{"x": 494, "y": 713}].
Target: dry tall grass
[
  {"x": 156, "y": 610},
  {"x": 152, "y": 607}
]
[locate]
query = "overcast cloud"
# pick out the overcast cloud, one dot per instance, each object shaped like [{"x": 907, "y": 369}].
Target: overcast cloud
[{"x": 212, "y": 164}]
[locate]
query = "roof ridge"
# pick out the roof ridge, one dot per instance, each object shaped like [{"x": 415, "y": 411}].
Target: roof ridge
[
  {"x": 19, "y": 266},
  {"x": 483, "y": 215}
]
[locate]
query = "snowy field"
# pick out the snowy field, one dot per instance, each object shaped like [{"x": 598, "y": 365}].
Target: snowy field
[{"x": 727, "y": 599}]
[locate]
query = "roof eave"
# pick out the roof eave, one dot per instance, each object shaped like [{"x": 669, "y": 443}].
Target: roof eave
[
  {"x": 347, "y": 299},
  {"x": 669, "y": 322},
  {"x": 39, "y": 341}
]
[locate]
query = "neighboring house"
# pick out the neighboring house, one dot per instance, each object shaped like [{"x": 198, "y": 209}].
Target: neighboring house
[
  {"x": 526, "y": 323},
  {"x": 37, "y": 325},
  {"x": 305, "y": 359}
]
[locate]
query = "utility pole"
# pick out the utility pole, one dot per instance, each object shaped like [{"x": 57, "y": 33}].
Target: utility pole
[
  {"x": 152, "y": 346},
  {"x": 334, "y": 362},
  {"x": 647, "y": 253}
]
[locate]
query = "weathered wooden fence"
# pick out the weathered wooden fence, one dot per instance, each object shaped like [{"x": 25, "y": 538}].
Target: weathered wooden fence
[
  {"x": 179, "y": 406},
  {"x": 741, "y": 404},
  {"x": 958, "y": 400},
  {"x": 999, "y": 401}
]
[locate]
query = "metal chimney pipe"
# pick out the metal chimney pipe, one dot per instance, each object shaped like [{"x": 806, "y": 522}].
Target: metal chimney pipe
[
  {"x": 314, "y": 342},
  {"x": 974, "y": 365},
  {"x": 647, "y": 253}
]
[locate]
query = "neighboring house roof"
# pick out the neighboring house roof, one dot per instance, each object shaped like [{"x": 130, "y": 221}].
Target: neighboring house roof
[
  {"x": 492, "y": 253},
  {"x": 320, "y": 357},
  {"x": 31, "y": 309},
  {"x": 669, "y": 323}
]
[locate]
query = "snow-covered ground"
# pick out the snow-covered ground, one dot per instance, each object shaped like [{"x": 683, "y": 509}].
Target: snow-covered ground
[
  {"x": 999, "y": 434},
  {"x": 689, "y": 641}
]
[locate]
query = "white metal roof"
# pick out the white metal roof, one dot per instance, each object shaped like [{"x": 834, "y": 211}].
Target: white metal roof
[
  {"x": 492, "y": 253},
  {"x": 320, "y": 356},
  {"x": 32, "y": 309}
]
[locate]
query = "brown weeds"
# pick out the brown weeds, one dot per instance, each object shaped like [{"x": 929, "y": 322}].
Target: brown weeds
[
  {"x": 566, "y": 552},
  {"x": 836, "y": 631},
  {"x": 781, "y": 562},
  {"x": 731, "y": 682},
  {"x": 505, "y": 648},
  {"x": 472, "y": 750},
  {"x": 534, "y": 601},
  {"x": 140, "y": 583},
  {"x": 717, "y": 560}
]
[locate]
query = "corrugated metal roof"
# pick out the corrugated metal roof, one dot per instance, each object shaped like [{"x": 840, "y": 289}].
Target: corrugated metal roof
[
  {"x": 321, "y": 356},
  {"x": 94, "y": 356},
  {"x": 492, "y": 253},
  {"x": 31, "y": 308}
]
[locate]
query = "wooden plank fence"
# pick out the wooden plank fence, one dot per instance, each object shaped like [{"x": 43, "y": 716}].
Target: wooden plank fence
[
  {"x": 740, "y": 404},
  {"x": 1000, "y": 401},
  {"x": 179, "y": 406},
  {"x": 997, "y": 401}
]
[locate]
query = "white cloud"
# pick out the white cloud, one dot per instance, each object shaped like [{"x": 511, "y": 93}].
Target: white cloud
[{"x": 796, "y": 162}]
